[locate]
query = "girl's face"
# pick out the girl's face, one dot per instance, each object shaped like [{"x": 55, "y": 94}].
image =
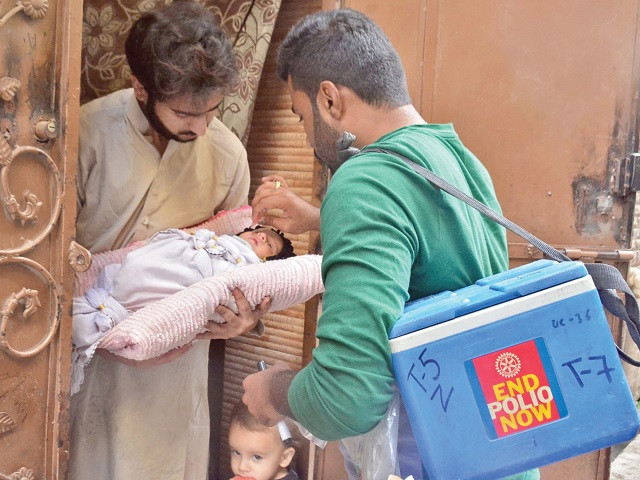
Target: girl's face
[
  {"x": 259, "y": 455},
  {"x": 264, "y": 241}
]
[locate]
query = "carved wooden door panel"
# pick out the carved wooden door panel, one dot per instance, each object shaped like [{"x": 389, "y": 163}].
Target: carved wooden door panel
[{"x": 39, "y": 91}]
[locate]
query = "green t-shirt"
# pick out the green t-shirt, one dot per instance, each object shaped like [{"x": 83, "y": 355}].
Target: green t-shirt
[{"x": 388, "y": 236}]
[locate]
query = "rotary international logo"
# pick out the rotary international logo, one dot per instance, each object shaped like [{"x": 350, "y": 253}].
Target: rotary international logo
[{"x": 508, "y": 364}]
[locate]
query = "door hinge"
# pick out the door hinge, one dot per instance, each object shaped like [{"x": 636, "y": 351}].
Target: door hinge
[{"x": 625, "y": 175}]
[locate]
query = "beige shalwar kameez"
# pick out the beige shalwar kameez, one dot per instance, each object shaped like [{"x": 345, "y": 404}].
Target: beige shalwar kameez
[{"x": 129, "y": 423}]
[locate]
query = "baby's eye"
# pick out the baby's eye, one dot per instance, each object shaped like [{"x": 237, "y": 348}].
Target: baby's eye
[
  {"x": 257, "y": 458},
  {"x": 235, "y": 453}
]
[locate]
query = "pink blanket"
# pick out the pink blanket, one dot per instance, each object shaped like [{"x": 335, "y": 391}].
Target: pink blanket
[{"x": 177, "y": 319}]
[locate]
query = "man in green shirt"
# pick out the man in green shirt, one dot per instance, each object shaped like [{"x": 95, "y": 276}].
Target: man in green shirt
[{"x": 387, "y": 235}]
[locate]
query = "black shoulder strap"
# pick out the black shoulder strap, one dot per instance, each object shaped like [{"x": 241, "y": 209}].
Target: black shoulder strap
[{"x": 606, "y": 278}]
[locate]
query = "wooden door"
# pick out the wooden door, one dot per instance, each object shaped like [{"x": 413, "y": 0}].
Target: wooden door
[
  {"x": 546, "y": 95},
  {"x": 39, "y": 91}
]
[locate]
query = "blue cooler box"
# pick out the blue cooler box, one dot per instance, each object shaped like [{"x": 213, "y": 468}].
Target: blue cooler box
[{"x": 516, "y": 371}]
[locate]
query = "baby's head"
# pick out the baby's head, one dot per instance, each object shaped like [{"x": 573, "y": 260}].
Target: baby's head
[
  {"x": 268, "y": 243},
  {"x": 257, "y": 452}
]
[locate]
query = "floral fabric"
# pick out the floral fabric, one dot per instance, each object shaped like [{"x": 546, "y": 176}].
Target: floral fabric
[{"x": 249, "y": 24}]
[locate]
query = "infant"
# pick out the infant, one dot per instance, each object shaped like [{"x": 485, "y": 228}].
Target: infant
[{"x": 170, "y": 261}]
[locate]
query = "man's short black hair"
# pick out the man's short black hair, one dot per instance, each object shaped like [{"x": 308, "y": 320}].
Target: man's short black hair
[{"x": 347, "y": 48}]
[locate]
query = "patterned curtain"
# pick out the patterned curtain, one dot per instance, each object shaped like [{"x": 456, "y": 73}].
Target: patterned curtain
[{"x": 249, "y": 24}]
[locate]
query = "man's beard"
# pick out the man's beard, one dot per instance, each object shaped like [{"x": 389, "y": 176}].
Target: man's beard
[
  {"x": 325, "y": 139},
  {"x": 149, "y": 110}
]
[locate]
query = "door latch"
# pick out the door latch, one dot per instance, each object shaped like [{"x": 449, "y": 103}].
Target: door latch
[{"x": 625, "y": 175}]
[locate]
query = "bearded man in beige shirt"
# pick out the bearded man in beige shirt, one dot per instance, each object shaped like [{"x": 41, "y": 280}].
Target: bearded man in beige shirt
[{"x": 150, "y": 158}]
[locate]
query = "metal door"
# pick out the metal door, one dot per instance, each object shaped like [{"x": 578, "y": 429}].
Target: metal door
[
  {"x": 546, "y": 95},
  {"x": 39, "y": 91}
]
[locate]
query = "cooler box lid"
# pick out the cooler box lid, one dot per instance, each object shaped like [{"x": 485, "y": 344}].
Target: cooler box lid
[{"x": 499, "y": 288}]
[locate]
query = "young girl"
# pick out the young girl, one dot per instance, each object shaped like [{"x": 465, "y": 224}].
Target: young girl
[{"x": 257, "y": 452}]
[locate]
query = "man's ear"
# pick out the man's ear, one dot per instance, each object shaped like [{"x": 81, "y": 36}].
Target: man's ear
[
  {"x": 287, "y": 456},
  {"x": 330, "y": 101},
  {"x": 138, "y": 90}
]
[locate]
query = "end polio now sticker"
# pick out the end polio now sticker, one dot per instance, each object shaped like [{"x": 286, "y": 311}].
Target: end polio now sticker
[{"x": 516, "y": 388}]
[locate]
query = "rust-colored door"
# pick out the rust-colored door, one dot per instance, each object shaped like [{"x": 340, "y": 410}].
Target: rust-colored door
[
  {"x": 546, "y": 95},
  {"x": 39, "y": 91}
]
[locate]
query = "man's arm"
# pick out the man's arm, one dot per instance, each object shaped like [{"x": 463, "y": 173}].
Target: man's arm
[
  {"x": 368, "y": 244},
  {"x": 238, "y": 193},
  {"x": 274, "y": 204},
  {"x": 265, "y": 393},
  {"x": 86, "y": 161}
]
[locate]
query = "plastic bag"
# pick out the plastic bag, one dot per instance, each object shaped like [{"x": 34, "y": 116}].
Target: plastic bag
[
  {"x": 374, "y": 454},
  {"x": 309, "y": 436}
]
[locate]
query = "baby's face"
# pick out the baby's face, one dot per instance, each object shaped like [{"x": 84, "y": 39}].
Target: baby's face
[
  {"x": 259, "y": 455},
  {"x": 264, "y": 241}
]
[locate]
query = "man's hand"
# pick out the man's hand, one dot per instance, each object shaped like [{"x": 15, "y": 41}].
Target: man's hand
[
  {"x": 265, "y": 393},
  {"x": 274, "y": 204},
  {"x": 235, "y": 325},
  {"x": 170, "y": 356}
]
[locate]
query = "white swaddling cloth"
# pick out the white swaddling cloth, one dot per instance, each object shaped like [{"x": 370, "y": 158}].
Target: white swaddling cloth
[{"x": 170, "y": 261}]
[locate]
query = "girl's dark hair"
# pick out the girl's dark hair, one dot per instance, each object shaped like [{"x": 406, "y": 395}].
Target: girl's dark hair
[
  {"x": 287, "y": 246},
  {"x": 347, "y": 48},
  {"x": 181, "y": 50},
  {"x": 240, "y": 415}
]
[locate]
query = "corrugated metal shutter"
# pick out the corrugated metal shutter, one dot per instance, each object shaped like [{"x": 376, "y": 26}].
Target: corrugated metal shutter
[{"x": 277, "y": 144}]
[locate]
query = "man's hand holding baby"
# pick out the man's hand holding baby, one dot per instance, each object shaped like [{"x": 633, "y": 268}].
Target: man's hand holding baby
[{"x": 235, "y": 324}]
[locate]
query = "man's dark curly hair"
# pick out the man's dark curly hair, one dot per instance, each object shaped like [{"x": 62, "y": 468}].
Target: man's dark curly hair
[
  {"x": 180, "y": 50},
  {"x": 287, "y": 246}
]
